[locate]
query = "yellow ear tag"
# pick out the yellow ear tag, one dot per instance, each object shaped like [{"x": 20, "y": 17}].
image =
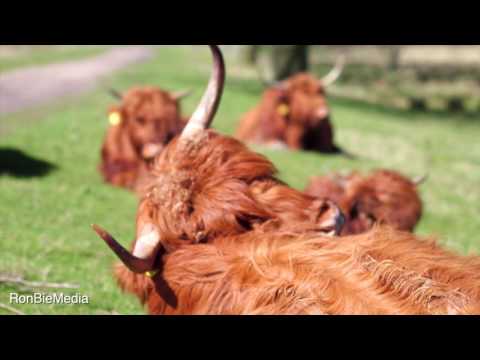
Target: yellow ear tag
[
  {"x": 115, "y": 119},
  {"x": 283, "y": 110},
  {"x": 151, "y": 274}
]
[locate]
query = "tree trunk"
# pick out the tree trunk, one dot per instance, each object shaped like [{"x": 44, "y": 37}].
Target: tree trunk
[
  {"x": 289, "y": 60},
  {"x": 394, "y": 61},
  {"x": 251, "y": 54}
]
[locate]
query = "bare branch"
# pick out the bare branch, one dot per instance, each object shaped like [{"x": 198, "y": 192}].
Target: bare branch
[
  {"x": 11, "y": 309},
  {"x": 35, "y": 284}
]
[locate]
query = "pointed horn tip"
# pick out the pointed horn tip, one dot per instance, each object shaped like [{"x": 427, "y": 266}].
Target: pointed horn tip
[
  {"x": 136, "y": 265},
  {"x": 421, "y": 180},
  {"x": 342, "y": 59},
  {"x": 104, "y": 234},
  {"x": 115, "y": 93},
  {"x": 100, "y": 232},
  {"x": 205, "y": 112},
  {"x": 336, "y": 72},
  {"x": 180, "y": 95}
]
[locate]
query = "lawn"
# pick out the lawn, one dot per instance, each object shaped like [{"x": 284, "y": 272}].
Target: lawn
[
  {"x": 14, "y": 58},
  {"x": 45, "y": 221}
]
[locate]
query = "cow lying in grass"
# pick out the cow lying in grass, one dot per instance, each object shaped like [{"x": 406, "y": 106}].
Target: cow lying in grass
[
  {"x": 293, "y": 114},
  {"x": 384, "y": 196},
  {"x": 140, "y": 127},
  {"x": 218, "y": 234}
]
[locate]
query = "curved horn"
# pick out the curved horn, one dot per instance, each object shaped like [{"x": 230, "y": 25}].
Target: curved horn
[
  {"x": 116, "y": 94},
  {"x": 135, "y": 264},
  {"x": 179, "y": 95},
  {"x": 206, "y": 110},
  {"x": 336, "y": 72},
  {"x": 420, "y": 180}
]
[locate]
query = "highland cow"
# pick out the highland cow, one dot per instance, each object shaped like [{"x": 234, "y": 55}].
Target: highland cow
[
  {"x": 382, "y": 272},
  {"x": 293, "y": 114},
  {"x": 147, "y": 119},
  {"x": 218, "y": 234},
  {"x": 384, "y": 196}
]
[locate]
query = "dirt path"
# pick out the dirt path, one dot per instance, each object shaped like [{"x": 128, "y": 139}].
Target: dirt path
[{"x": 26, "y": 88}]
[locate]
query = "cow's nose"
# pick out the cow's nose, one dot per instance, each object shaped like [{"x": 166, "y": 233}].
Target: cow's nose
[
  {"x": 151, "y": 150},
  {"x": 334, "y": 219},
  {"x": 322, "y": 112},
  {"x": 340, "y": 221}
]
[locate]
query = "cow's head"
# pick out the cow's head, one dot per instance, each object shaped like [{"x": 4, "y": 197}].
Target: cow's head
[
  {"x": 301, "y": 100},
  {"x": 149, "y": 116},
  {"x": 383, "y": 197}
]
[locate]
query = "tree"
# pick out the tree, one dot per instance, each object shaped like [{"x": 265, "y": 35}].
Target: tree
[
  {"x": 394, "y": 57},
  {"x": 251, "y": 54},
  {"x": 282, "y": 61},
  {"x": 289, "y": 60}
]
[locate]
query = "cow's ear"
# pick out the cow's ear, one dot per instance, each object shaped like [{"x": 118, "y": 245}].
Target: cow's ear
[
  {"x": 115, "y": 94},
  {"x": 280, "y": 85}
]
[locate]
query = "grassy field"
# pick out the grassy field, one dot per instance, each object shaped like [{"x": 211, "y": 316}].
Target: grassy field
[
  {"x": 45, "y": 221},
  {"x": 14, "y": 58}
]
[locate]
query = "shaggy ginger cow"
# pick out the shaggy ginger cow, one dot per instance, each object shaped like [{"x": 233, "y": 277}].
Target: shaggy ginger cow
[
  {"x": 147, "y": 120},
  {"x": 218, "y": 234},
  {"x": 384, "y": 196},
  {"x": 293, "y": 114}
]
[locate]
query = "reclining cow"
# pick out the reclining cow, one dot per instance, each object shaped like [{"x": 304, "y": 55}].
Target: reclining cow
[
  {"x": 147, "y": 119},
  {"x": 384, "y": 196},
  {"x": 218, "y": 234},
  {"x": 293, "y": 114}
]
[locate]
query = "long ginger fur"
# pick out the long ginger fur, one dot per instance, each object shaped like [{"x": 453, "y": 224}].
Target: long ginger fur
[
  {"x": 384, "y": 196},
  {"x": 148, "y": 115},
  {"x": 295, "y": 114},
  {"x": 382, "y": 272},
  {"x": 230, "y": 249},
  {"x": 224, "y": 236}
]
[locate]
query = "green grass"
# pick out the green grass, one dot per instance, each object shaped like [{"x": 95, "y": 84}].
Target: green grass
[
  {"x": 47, "y": 55},
  {"x": 44, "y": 222}
]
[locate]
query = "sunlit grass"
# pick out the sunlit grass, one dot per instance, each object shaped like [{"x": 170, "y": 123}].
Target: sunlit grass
[{"x": 45, "y": 222}]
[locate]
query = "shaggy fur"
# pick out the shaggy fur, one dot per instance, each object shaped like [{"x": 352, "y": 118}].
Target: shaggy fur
[
  {"x": 271, "y": 272},
  {"x": 215, "y": 187},
  {"x": 384, "y": 196},
  {"x": 295, "y": 114},
  {"x": 225, "y": 237},
  {"x": 148, "y": 116},
  {"x": 234, "y": 245}
]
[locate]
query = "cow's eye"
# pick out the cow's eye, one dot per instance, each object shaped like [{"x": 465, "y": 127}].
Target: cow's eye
[{"x": 170, "y": 137}]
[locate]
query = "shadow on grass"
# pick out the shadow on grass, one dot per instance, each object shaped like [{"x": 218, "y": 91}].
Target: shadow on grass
[{"x": 15, "y": 163}]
